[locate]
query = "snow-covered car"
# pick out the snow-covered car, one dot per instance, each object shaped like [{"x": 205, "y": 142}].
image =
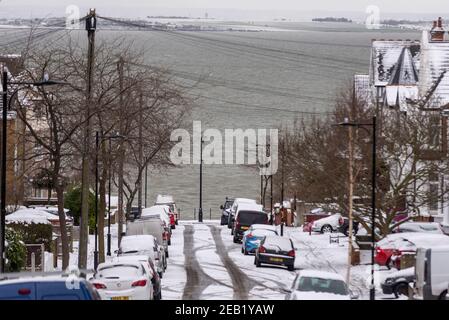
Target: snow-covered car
[
  {"x": 155, "y": 280},
  {"x": 390, "y": 249},
  {"x": 327, "y": 225},
  {"x": 143, "y": 245},
  {"x": 162, "y": 212},
  {"x": 398, "y": 282},
  {"x": 129, "y": 280},
  {"x": 276, "y": 250},
  {"x": 334, "y": 223},
  {"x": 253, "y": 237},
  {"x": 425, "y": 227},
  {"x": 168, "y": 200},
  {"x": 319, "y": 285},
  {"x": 233, "y": 210}
]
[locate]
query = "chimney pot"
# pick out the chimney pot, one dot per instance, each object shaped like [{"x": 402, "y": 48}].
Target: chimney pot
[
  {"x": 434, "y": 24},
  {"x": 440, "y": 22}
]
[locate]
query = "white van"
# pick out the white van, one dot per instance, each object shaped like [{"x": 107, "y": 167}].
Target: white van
[
  {"x": 432, "y": 273},
  {"x": 150, "y": 226}
]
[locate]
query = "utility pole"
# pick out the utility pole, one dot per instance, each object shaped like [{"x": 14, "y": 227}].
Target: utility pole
[
  {"x": 139, "y": 193},
  {"x": 121, "y": 154},
  {"x": 91, "y": 25},
  {"x": 200, "y": 210},
  {"x": 3, "y": 169},
  {"x": 350, "y": 199}
]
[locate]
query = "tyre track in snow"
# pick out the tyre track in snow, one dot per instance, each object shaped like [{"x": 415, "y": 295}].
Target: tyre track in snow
[
  {"x": 241, "y": 283},
  {"x": 197, "y": 279}
]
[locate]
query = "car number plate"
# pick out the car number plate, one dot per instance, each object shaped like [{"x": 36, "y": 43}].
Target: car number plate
[
  {"x": 120, "y": 298},
  {"x": 276, "y": 259}
]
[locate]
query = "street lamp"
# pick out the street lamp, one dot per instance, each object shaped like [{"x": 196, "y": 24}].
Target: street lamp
[
  {"x": 45, "y": 82},
  {"x": 373, "y": 124},
  {"x": 200, "y": 210}
]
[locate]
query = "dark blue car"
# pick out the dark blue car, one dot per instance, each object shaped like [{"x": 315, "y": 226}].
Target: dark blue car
[
  {"x": 48, "y": 288},
  {"x": 253, "y": 237}
]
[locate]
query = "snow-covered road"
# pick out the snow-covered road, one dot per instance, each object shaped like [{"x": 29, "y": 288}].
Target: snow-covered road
[{"x": 204, "y": 264}]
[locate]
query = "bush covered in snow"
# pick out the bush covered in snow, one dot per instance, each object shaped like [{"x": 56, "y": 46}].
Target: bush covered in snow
[
  {"x": 34, "y": 233},
  {"x": 15, "y": 251}
]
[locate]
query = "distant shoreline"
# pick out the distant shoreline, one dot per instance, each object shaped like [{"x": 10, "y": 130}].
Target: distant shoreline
[{"x": 332, "y": 19}]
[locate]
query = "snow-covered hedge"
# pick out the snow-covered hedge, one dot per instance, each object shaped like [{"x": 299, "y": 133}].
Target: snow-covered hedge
[{"x": 15, "y": 251}]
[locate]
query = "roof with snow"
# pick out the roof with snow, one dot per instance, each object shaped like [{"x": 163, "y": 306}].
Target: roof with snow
[
  {"x": 30, "y": 216},
  {"x": 386, "y": 55},
  {"x": 435, "y": 64}
]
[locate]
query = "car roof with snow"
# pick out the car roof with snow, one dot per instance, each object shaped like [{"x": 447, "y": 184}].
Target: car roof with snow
[
  {"x": 320, "y": 274},
  {"x": 242, "y": 200},
  {"x": 282, "y": 242},
  {"x": 155, "y": 210},
  {"x": 263, "y": 226},
  {"x": 250, "y": 207},
  {"x": 418, "y": 239},
  {"x": 263, "y": 232},
  {"x": 137, "y": 242}
]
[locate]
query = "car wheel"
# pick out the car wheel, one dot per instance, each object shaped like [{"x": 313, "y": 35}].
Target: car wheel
[
  {"x": 400, "y": 289},
  {"x": 290, "y": 268},
  {"x": 232, "y": 232},
  {"x": 443, "y": 295},
  {"x": 245, "y": 252},
  {"x": 257, "y": 263},
  {"x": 327, "y": 228},
  {"x": 255, "y": 260}
]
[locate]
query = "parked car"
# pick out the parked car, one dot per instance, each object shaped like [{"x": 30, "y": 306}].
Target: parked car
[
  {"x": 48, "y": 288},
  {"x": 398, "y": 282},
  {"x": 155, "y": 280},
  {"x": 276, "y": 250},
  {"x": 425, "y": 227},
  {"x": 432, "y": 273},
  {"x": 168, "y": 200},
  {"x": 135, "y": 213},
  {"x": 150, "y": 225},
  {"x": 143, "y": 245},
  {"x": 247, "y": 215},
  {"x": 233, "y": 210},
  {"x": 319, "y": 285},
  {"x": 390, "y": 249},
  {"x": 225, "y": 210},
  {"x": 334, "y": 223},
  {"x": 253, "y": 237},
  {"x": 161, "y": 212},
  {"x": 129, "y": 280}
]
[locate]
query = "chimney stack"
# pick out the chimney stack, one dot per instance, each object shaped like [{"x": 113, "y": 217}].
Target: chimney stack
[{"x": 437, "y": 32}]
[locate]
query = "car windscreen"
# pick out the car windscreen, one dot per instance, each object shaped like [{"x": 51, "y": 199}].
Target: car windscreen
[
  {"x": 315, "y": 284},
  {"x": 251, "y": 217},
  {"x": 228, "y": 204}
]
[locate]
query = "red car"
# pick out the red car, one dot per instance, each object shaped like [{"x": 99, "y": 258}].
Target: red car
[
  {"x": 390, "y": 249},
  {"x": 172, "y": 220}
]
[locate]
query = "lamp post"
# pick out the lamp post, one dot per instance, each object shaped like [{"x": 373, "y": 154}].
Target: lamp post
[
  {"x": 5, "y": 84},
  {"x": 373, "y": 124},
  {"x": 200, "y": 210},
  {"x": 97, "y": 147}
]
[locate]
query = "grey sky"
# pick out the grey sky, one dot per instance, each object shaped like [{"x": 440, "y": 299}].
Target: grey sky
[{"x": 37, "y": 7}]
